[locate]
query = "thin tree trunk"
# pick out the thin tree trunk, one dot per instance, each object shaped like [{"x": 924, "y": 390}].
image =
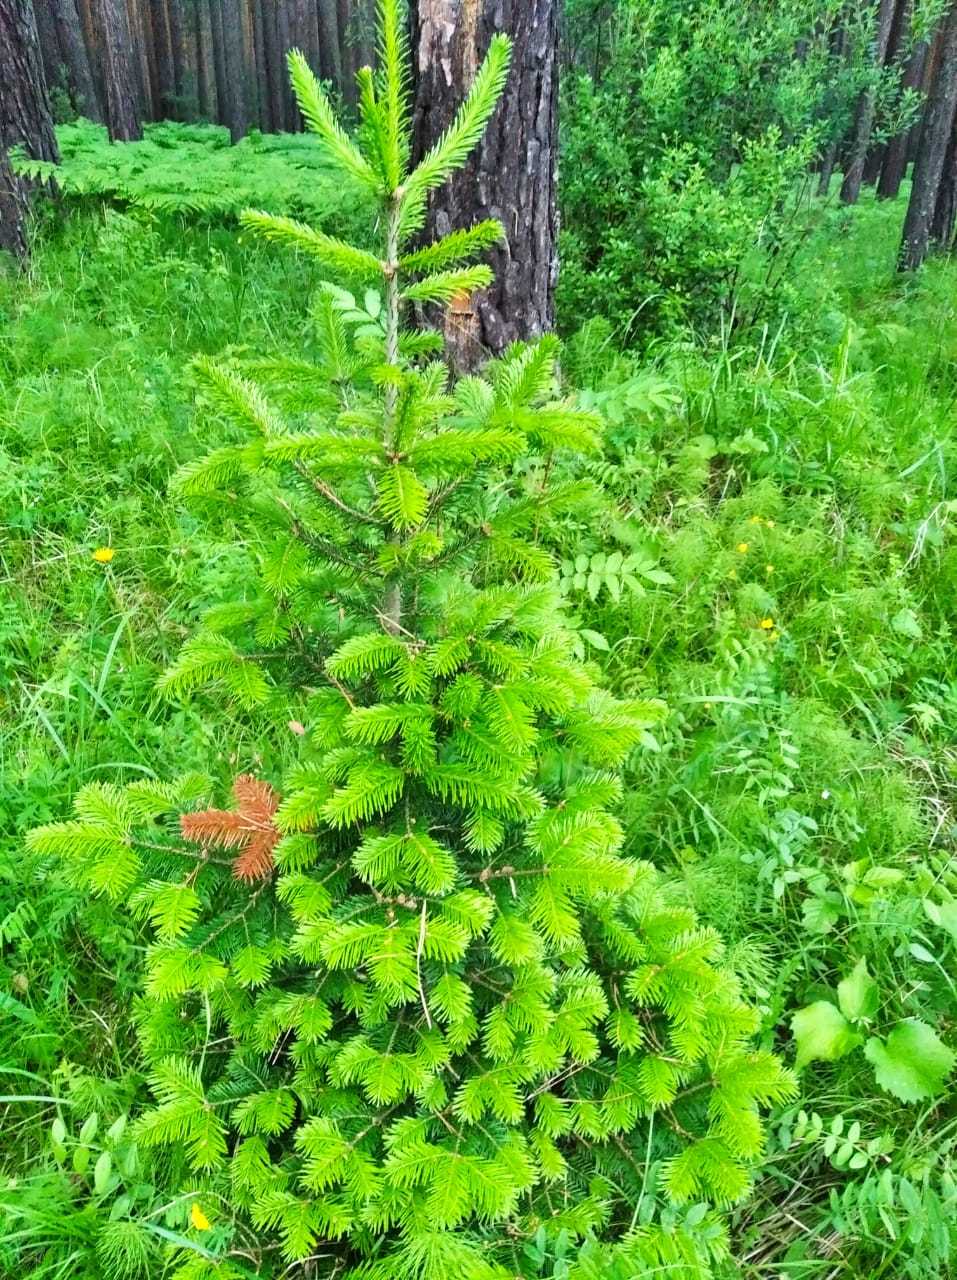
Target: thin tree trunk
[
  {"x": 512, "y": 175},
  {"x": 76, "y": 59},
  {"x": 945, "y": 206},
  {"x": 237, "y": 68},
  {"x": 895, "y": 156},
  {"x": 262, "y": 66},
  {"x": 162, "y": 39},
  {"x": 274, "y": 64},
  {"x": 184, "y": 80},
  {"x": 205, "y": 70},
  {"x": 113, "y": 43},
  {"x": 25, "y": 116},
  {"x": 838, "y": 48},
  {"x": 935, "y": 137},
  {"x": 347, "y": 51},
  {"x": 329, "y": 40},
  {"x": 219, "y": 59},
  {"x": 290, "y": 112},
  {"x": 867, "y": 109}
]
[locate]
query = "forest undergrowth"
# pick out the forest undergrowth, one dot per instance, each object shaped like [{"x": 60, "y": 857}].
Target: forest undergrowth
[{"x": 770, "y": 552}]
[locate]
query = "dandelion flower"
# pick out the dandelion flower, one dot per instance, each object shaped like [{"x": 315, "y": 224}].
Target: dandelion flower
[
  {"x": 742, "y": 547},
  {"x": 198, "y": 1218},
  {"x": 755, "y": 520},
  {"x": 103, "y": 555},
  {"x": 767, "y": 624}
]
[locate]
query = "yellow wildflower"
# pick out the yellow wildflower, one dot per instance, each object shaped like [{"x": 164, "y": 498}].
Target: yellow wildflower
[
  {"x": 769, "y": 524},
  {"x": 755, "y": 520},
  {"x": 767, "y": 624},
  {"x": 742, "y": 547},
  {"x": 103, "y": 555},
  {"x": 198, "y": 1218},
  {"x": 769, "y": 568}
]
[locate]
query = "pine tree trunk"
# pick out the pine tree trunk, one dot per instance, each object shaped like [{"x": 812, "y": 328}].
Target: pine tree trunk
[
  {"x": 25, "y": 117},
  {"x": 114, "y": 45},
  {"x": 895, "y": 156},
  {"x": 347, "y": 52},
  {"x": 867, "y": 109},
  {"x": 285, "y": 42},
  {"x": 945, "y": 206},
  {"x": 329, "y": 40},
  {"x": 274, "y": 65},
  {"x": 72, "y": 50},
  {"x": 205, "y": 63},
  {"x": 13, "y": 210},
  {"x": 236, "y": 68},
  {"x": 932, "y": 154},
  {"x": 219, "y": 59},
  {"x": 161, "y": 36},
  {"x": 512, "y": 175}
]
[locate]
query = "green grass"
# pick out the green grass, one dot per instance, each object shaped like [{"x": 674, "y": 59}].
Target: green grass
[{"x": 804, "y": 479}]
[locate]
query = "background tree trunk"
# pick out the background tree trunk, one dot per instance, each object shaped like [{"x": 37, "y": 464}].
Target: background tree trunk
[
  {"x": 945, "y": 206},
  {"x": 13, "y": 210},
  {"x": 512, "y": 176},
  {"x": 76, "y": 59},
  {"x": 25, "y": 116},
  {"x": 895, "y": 155},
  {"x": 118, "y": 64},
  {"x": 929, "y": 165},
  {"x": 867, "y": 107},
  {"x": 236, "y": 68}
]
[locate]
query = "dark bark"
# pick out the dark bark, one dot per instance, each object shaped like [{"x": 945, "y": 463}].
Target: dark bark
[
  {"x": 237, "y": 68},
  {"x": 25, "y": 116},
  {"x": 114, "y": 46},
  {"x": 71, "y": 46},
  {"x": 867, "y": 108},
  {"x": 219, "y": 59},
  {"x": 347, "y": 50},
  {"x": 895, "y": 155},
  {"x": 274, "y": 65},
  {"x": 262, "y": 70},
  {"x": 932, "y": 153},
  {"x": 945, "y": 206},
  {"x": 165, "y": 68},
  {"x": 285, "y": 42},
  {"x": 329, "y": 42},
  {"x": 205, "y": 67},
  {"x": 512, "y": 175},
  {"x": 13, "y": 210}
]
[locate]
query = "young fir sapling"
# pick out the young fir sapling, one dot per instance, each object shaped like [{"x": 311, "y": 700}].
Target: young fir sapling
[{"x": 414, "y": 1003}]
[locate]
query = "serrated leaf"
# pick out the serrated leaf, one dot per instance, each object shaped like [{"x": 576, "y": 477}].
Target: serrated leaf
[
  {"x": 822, "y": 1034},
  {"x": 912, "y": 1063}
]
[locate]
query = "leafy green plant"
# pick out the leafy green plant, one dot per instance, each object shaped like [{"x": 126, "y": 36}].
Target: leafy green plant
[
  {"x": 193, "y": 169},
  {"x": 413, "y": 1004}
]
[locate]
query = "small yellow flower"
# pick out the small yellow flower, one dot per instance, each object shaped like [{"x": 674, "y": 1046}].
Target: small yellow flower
[
  {"x": 769, "y": 524},
  {"x": 198, "y": 1218},
  {"x": 767, "y": 624},
  {"x": 103, "y": 555},
  {"x": 742, "y": 547},
  {"x": 769, "y": 568},
  {"x": 755, "y": 520}
]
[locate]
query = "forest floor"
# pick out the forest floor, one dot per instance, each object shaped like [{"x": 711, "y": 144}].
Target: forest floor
[{"x": 797, "y": 494}]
